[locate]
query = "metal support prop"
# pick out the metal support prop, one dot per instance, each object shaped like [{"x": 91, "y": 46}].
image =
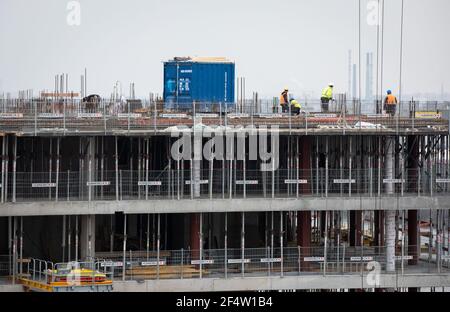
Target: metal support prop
[
  {"x": 244, "y": 169},
  {"x": 124, "y": 249},
  {"x": 201, "y": 244},
  {"x": 350, "y": 168},
  {"x": 117, "y": 168},
  {"x": 231, "y": 166},
  {"x": 90, "y": 152},
  {"x": 69, "y": 240},
  {"x": 211, "y": 165},
  {"x": 271, "y": 238},
  {"x": 21, "y": 246},
  {"x": 158, "y": 245},
  {"x": 147, "y": 156},
  {"x": 325, "y": 244},
  {"x": 14, "y": 169},
  {"x": 14, "y": 251},
  {"x": 111, "y": 234},
  {"x": 147, "y": 242},
  {"x": 50, "y": 165},
  {"x": 281, "y": 244},
  {"x": 178, "y": 172},
  {"x": 5, "y": 186},
  {"x": 273, "y": 172},
  {"x": 139, "y": 165},
  {"x": 10, "y": 234},
  {"x": 317, "y": 165},
  {"x": 326, "y": 167},
  {"x": 242, "y": 243},
  {"x": 3, "y": 169},
  {"x": 63, "y": 244},
  {"x": 226, "y": 245},
  {"x": 57, "y": 168},
  {"x": 297, "y": 169},
  {"x": 403, "y": 239},
  {"x": 76, "y": 238}
]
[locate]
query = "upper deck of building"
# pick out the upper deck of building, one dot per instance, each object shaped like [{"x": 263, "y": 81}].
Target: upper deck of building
[{"x": 46, "y": 117}]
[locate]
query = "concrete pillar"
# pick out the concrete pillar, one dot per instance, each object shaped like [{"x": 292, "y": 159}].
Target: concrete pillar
[
  {"x": 413, "y": 238},
  {"x": 195, "y": 234},
  {"x": 87, "y": 237},
  {"x": 88, "y": 165},
  {"x": 355, "y": 228},
  {"x": 390, "y": 214},
  {"x": 413, "y": 167},
  {"x": 304, "y": 228},
  {"x": 379, "y": 228},
  {"x": 304, "y": 236}
]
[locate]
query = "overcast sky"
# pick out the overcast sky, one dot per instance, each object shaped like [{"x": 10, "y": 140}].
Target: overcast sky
[{"x": 302, "y": 44}]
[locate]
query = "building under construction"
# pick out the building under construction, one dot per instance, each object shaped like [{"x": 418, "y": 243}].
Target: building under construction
[{"x": 343, "y": 200}]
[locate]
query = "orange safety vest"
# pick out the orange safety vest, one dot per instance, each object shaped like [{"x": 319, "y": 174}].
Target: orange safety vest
[
  {"x": 283, "y": 98},
  {"x": 391, "y": 100}
]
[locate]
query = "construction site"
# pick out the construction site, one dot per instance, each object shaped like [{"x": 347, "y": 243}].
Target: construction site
[
  {"x": 88, "y": 187},
  {"x": 208, "y": 188}
]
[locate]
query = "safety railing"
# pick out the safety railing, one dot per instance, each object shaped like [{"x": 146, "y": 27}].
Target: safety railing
[
  {"x": 69, "y": 115},
  {"x": 71, "y": 273},
  {"x": 223, "y": 184},
  {"x": 250, "y": 262}
]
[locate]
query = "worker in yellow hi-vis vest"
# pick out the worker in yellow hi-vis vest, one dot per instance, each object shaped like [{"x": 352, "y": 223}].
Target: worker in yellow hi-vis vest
[
  {"x": 327, "y": 96},
  {"x": 295, "y": 107}
]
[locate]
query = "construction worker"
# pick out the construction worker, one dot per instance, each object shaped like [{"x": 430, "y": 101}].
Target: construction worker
[
  {"x": 284, "y": 100},
  {"x": 390, "y": 103},
  {"x": 295, "y": 107},
  {"x": 327, "y": 96}
]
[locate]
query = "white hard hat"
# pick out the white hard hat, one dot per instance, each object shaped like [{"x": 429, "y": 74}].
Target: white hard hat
[{"x": 331, "y": 84}]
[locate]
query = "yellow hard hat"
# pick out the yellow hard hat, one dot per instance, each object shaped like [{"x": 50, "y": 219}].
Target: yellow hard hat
[{"x": 286, "y": 89}]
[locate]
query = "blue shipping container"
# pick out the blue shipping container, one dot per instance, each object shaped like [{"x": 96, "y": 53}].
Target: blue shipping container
[{"x": 203, "y": 80}]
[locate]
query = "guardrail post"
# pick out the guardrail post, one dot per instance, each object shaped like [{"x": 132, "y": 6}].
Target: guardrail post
[
  {"x": 117, "y": 169},
  {"x": 57, "y": 169},
  {"x": 182, "y": 263},
  {"x": 124, "y": 262},
  {"x": 226, "y": 245},
  {"x": 281, "y": 243},
  {"x": 201, "y": 244},
  {"x": 158, "y": 246},
  {"x": 343, "y": 258}
]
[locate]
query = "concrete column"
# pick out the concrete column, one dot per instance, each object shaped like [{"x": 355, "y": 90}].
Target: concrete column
[
  {"x": 355, "y": 228},
  {"x": 413, "y": 168},
  {"x": 87, "y": 237},
  {"x": 413, "y": 238},
  {"x": 390, "y": 214},
  {"x": 195, "y": 234},
  {"x": 304, "y": 236},
  {"x": 88, "y": 165},
  {"x": 304, "y": 228},
  {"x": 390, "y": 240},
  {"x": 379, "y": 228}
]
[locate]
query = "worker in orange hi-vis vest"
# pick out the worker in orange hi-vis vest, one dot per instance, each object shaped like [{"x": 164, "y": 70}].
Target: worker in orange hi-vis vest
[
  {"x": 284, "y": 103},
  {"x": 390, "y": 103}
]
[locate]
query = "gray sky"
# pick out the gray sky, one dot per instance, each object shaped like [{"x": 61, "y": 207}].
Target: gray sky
[{"x": 302, "y": 44}]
